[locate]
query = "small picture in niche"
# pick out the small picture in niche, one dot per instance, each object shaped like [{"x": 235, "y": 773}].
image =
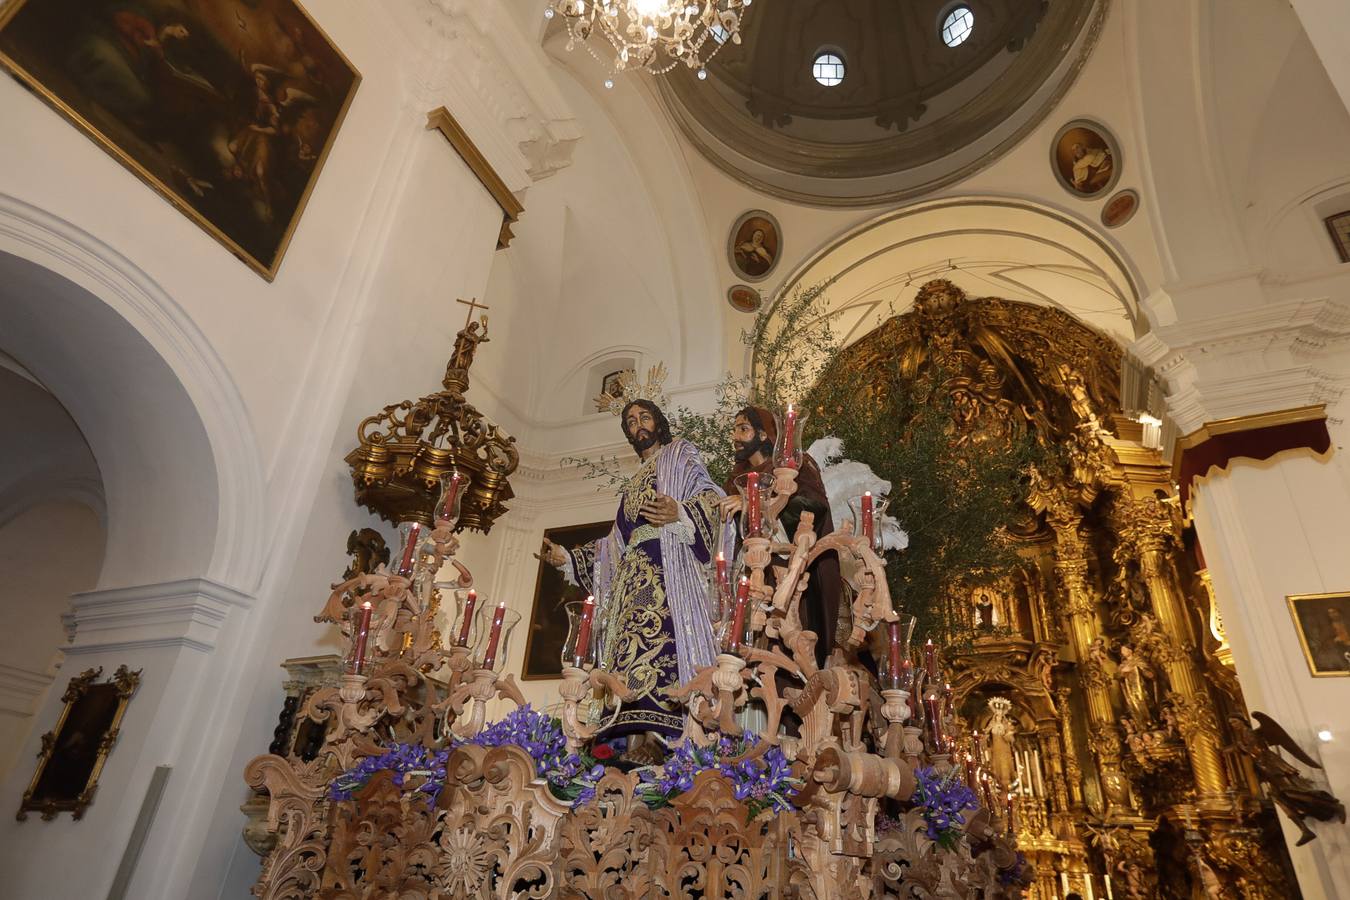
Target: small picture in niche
[
  {"x": 744, "y": 298},
  {"x": 1086, "y": 158},
  {"x": 754, "y": 245},
  {"x": 1323, "y": 623},
  {"x": 1339, "y": 226},
  {"x": 1120, "y": 208},
  {"x": 612, "y": 384},
  {"x": 548, "y": 620}
]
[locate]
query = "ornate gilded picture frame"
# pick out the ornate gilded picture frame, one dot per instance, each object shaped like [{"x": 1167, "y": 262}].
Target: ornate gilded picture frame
[
  {"x": 1323, "y": 625},
  {"x": 228, "y": 110},
  {"x": 548, "y": 621},
  {"x": 73, "y": 753}
]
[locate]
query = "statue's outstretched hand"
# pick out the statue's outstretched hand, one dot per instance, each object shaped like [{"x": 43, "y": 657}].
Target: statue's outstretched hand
[
  {"x": 552, "y": 554},
  {"x": 730, "y": 505}
]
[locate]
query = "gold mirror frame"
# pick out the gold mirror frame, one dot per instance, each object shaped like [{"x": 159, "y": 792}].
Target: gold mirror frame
[{"x": 124, "y": 683}]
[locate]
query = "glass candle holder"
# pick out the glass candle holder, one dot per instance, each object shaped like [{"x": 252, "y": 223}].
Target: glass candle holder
[
  {"x": 868, "y": 511},
  {"x": 462, "y": 606},
  {"x": 579, "y": 645},
  {"x": 405, "y": 558},
  {"x": 736, "y": 634},
  {"x": 496, "y": 626},
  {"x": 454, "y": 485},
  {"x": 898, "y": 666},
  {"x": 757, "y": 491},
  {"x": 720, "y": 599},
  {"x": 787, "y": 446}
]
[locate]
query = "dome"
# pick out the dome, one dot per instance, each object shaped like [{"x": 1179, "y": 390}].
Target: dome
[{"x": 860, "y": 102}]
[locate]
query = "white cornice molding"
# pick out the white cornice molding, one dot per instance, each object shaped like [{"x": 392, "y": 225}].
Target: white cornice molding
[
  {"x": 188, "y": 613},
  {"x": 496, "y": 83},
  {"x": 20, "y": 688}
]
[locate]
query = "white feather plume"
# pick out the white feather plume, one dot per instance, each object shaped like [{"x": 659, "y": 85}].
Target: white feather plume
[{"x": 845, "y": 479}]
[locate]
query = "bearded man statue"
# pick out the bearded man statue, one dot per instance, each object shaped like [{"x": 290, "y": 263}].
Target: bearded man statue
[
  {"x": 754, "y": 431},
  {"x": 648, "y": 577}
]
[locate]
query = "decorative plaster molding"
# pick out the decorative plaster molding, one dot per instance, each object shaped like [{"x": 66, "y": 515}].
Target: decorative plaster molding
[
  {"x": 20, "y": 688},
  {"x": 188, "y": 613},
  {"x": 496, "y": 83}
]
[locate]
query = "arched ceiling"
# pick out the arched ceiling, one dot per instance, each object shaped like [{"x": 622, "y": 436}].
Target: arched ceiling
[{"x": 911, "y": 114}]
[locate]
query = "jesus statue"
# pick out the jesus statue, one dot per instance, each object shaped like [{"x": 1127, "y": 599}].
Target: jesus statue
[{"x": 648, "y": 578}]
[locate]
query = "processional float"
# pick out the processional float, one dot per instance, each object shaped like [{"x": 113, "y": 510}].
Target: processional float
[{"x": 881, "y": 793}]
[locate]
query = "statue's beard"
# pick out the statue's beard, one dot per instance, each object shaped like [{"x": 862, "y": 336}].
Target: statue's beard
[
  {"x": 643, "y": 441},
  {"x": 744, "y": 451}
]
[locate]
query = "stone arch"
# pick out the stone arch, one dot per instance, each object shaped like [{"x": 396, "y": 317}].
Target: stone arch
[{"x": 181, "y": 470}]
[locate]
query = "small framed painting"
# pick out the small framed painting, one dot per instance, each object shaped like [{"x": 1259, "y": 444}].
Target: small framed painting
[
  {"x": 1339, "y": 228},
  {"x": 73, "y": 753},
  {"x": 754, "y": 245},
  {"x": 227, "y": 109},
  {"x": 1323, "y": 624},
  {"x": 548, "y": 620},
  {"x": 1085, "y": 158}
]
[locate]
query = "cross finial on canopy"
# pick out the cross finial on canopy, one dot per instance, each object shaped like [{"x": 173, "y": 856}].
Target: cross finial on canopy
[{"x": 472, "y": 305}]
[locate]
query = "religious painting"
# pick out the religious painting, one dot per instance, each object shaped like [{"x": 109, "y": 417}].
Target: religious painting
[
  {"x": 744, "y": 298},
  {"x": 1323, "y": 623},
  {"x": 548, "y": 619},
  {"x": 1120, "y": 208},
  {"x": 1339, "y": 227},
  {"x": 612, "y": 384},
  {"x": 73, "y": 753},
  {"x": 1086, "y": 159},
  {"x": 754, "y": 245},
  {"x": 227, "y": 109}
]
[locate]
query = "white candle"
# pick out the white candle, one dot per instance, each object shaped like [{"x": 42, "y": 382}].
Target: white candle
[
  {"x": 1064, "y": 883},
  {"x": 1106, "y": 879},
  {"x": 1087, "y": 882}
]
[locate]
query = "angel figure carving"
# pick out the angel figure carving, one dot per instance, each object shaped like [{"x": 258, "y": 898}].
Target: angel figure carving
[{"x": 1291, "y": 792}]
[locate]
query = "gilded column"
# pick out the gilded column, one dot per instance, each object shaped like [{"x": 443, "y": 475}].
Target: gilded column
[
  {"x": 1148, "y": 528},
  {"x": 1073, "y": 772},
  {"x": 1071, "y": 565}
]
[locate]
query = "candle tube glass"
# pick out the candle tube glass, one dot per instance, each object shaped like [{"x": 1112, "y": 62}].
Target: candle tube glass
[
  {"x": 735, "y": 637},
  {"x": 454, "y": 485},
  {"x": 868, "y": 512},
  {"x": 361, "y": 637},
  {"x": 933, "y": 706},
  {"x": 464, "y": 603},
  {"x": 579, "y": 646},
  {"x": 757, "y": 491},
  {"x": 930, "y": 660},
  {"x": 410, "y": 537},
  {"x": 496, "y": 626},
  {"x": 787, "y": 446}
]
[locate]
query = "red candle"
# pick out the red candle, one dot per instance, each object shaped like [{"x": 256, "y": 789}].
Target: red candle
[
  {"x": 790, "y": 438},
  {"x": 753, "y": 514},
  {"x": 362, "y": 635},
  {"x": 930, "y": 659},
  {"x": 934, "y": 707},
  {"x": 450, "y": 498},
  {"x": 470, "y": 602},
  {"x": 409, "y": 550},
  {"x": 490, "y": 656},
  {"x": 894, "y": 650},
  {"x": 977, "y": 744},
  {"x": 868, "y": 525},
  {"x": 947, "y": 695},
  {"x": 722, "y": 582},
  {"x": 1012, "y": 815},
  {"x": 736, "y": 636},
  {"x": 970, "y": 772},
  {"x": 581, "y": 651},
  {"x": 987, "y": 790}
]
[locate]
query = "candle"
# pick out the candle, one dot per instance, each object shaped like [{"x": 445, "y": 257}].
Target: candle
[
  {"x": 934, "y": 707},
  {"x": 1087, "y": 883},
  {"x": 947, "y": 695},
  {"x": 408, "y": 553},
  {"x": 868, "y": 525},
  {"x": 970, "y": 771},
  {"x": 977, "y": 744},
  {"x": 895, "y": 668},
  {"x": 1064, "y": 882},
  {"x": 1012, "y": 815},
  {"x": 789, "y": 459},
  {"x": 753, "y": 514},
  {"x": 930, "y": 659},
  {"x": 494, "y": 636},
  {"x": 470, "y": 601},
  {"x": 445, "y": 511},
  {"x": 1106, "y": 879},
  {"x": 736, "y": 636},
  {"x": 722, "y": 583},
  {"x": 581, "y": 651},
  {"x": 362, "y": 635},
  {"x": 988, "y": 791}
]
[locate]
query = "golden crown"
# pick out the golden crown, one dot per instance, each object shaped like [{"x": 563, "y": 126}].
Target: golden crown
[{"x": 627, "y": 390}]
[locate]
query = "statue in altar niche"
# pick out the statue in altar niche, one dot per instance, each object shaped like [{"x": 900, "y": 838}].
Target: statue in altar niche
[
  {"x": 754, "y": 431},
  {"x": 1138, "y": 688},
  {"x": 1002, "y": 731},
  {"x": 647, "y": 575}
]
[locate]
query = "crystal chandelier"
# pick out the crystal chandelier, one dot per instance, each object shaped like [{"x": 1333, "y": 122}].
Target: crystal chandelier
[{"x": 655, "y": 35}]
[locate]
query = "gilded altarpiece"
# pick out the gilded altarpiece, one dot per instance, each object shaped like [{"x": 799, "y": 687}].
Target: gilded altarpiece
[{"x": 1095, "y": 668}]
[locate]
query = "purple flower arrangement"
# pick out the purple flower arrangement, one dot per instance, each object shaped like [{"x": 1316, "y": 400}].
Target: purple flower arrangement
[
  {"x": 764, "y": 782},
  {"x": 403, "y": 760},
  {"x": 944, "y": 800}
]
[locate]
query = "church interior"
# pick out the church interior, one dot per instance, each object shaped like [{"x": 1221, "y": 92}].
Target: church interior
[{"x": 675, "y": 449}]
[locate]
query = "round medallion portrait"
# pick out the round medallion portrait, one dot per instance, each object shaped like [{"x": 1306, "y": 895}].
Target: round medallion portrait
[
  {"x": 754, "y": 245},
  {"x": 1086, "y": 158},
  {"x": 744, "y": 298},
  {"x": 1120, "y": 208}
]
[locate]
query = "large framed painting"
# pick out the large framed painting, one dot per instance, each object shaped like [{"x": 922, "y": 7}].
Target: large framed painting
[
  {"x": 1086, "y": 158},
  {"x": 227, "y": 108},
  {"x": 548, "y": 620},
  {"x": 1323, "y": 623},
  {"x": 73, "y": 753}
]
